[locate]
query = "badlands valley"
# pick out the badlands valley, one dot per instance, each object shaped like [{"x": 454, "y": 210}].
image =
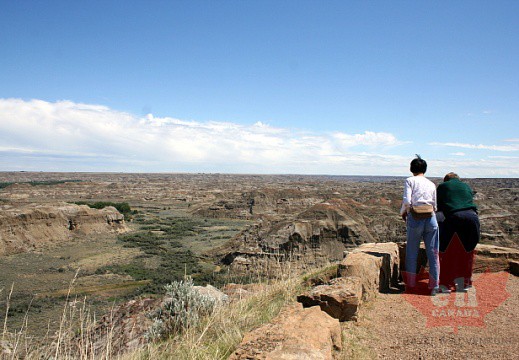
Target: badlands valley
[{"x": 217, "y": 228}]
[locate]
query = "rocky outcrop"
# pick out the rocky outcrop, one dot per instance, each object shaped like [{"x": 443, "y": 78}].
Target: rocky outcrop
[
  {"x": 316, "y": 236},
  {"x": 367, "y": 268},
  {"x": 390, "y": 267},
  {"x": 377, "y": 265},
  {"x": 494, "y": 258},
  {"x": 493, "y": 251},
  {"x": 296, "y": 333},
  {"x": 32, "y": 227},
  {"x": 365, "y": 271},
  {"x": 251, "y": 204},
  {"x": 341, "y": 299}
]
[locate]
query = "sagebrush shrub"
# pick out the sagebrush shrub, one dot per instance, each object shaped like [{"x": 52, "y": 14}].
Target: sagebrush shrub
[{"x": 182, "y": 308}]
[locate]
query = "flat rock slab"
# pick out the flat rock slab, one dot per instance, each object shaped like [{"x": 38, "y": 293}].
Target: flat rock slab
[
  {"x": 296, "y": 333},
  {"x": 497, "y": 251},
  {"x": 493, "y": 258},
  {"x": 341, "y": 299}
]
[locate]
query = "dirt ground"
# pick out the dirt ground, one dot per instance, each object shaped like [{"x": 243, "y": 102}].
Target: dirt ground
[{"x": 392, "y": 327}]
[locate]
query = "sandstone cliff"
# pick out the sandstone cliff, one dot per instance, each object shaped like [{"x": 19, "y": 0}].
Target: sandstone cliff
[
  {"x": 314, "y": 237},
  {"x": 32, "y": 227}
]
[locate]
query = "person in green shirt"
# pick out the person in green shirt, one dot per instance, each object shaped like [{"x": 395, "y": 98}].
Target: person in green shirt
[{"x": 459, "y": 232}]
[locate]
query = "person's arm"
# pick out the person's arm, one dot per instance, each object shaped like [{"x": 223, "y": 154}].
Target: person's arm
[
  {"x": 440, "y": 198},
  {"x": 406, "y": 201},
  {"x": 435, "y": 204}
]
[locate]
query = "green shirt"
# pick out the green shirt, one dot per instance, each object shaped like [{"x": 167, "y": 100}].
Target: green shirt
[{"x": 454, "y": 195}]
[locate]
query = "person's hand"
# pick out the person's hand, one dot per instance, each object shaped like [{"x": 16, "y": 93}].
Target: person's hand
[{"x": 404, "y": 216}]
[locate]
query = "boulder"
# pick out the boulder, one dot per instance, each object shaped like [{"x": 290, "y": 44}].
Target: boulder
[
  {"x": 376, "y": 264},
  {"x": 212, "y": 292},
  {"x": 341, "y": 299},
  {"x": 390, "y": 269},
  {"x": 296, "y": 333},
  {"x": 367, "y": 268}
]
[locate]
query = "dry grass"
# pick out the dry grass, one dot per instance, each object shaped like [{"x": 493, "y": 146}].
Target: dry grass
[
  {"x": 215, "y": 337},
  {"x": 100, "y": 290}
]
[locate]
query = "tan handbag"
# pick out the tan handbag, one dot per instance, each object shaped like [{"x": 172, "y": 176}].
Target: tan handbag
[{"x": 420, "y": 212}]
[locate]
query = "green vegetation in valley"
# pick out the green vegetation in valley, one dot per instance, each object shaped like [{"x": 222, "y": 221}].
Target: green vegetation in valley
[
  {"x": 165, "y": 244},
  {"x": 123, "y": 207},
  {"x": 172, "y": 247}
]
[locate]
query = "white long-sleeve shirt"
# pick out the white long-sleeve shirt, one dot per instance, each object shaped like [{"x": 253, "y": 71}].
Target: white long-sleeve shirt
[{"x": 418, "y": 190}]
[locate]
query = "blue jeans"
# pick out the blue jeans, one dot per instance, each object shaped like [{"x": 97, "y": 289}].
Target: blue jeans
[{"x": 426, "y": 229}]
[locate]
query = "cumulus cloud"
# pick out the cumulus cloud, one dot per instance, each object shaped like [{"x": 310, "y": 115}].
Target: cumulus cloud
[
  {"x": 369, "y": 138},
  {"x": 513, "y": 147},
  {"x": 68, "y": 136},
  {"x": 37, "y": 132}
]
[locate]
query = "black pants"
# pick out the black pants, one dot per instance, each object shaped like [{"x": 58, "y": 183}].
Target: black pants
[
  {"x": 465, "y": 223},
  {"x": 459, "y": 235}
]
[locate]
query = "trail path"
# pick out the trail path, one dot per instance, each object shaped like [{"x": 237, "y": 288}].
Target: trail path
[{"x": 391, "y": 328}]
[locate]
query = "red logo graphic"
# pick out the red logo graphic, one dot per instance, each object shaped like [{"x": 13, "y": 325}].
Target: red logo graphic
[{"x": 468, "y": 304}]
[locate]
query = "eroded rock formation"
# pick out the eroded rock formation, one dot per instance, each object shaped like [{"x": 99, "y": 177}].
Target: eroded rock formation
[
  {"x": 306, "y": 219},
  {"x": 32, "y": 227}
]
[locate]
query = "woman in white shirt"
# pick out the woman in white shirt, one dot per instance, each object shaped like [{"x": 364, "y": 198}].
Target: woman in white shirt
[{"x": 418, "y": 206}]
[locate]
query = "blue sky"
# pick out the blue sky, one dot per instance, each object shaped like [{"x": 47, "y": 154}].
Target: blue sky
[{"x": 334, "y": 87}]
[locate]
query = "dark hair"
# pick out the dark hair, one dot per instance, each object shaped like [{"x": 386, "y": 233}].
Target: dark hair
[
  {"x": 418, "y": 165},
  {"x": 449, "y": 176}
]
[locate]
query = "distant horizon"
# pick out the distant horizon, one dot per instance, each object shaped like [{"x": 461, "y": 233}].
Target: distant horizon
[{"x": 239, "y": 174}]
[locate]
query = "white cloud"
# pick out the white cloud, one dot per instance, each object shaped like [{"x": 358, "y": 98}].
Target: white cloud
[
  {"x": 67, "y": 136},
  {"x": 37, "y": 133},
  {"x": 502, "y": 157},
  {"x": 369, "y": 138},
  {"x": 497, "y": 167},
  {"x": 507, "y": 148},
  {"x": 458, "y": 153}
]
